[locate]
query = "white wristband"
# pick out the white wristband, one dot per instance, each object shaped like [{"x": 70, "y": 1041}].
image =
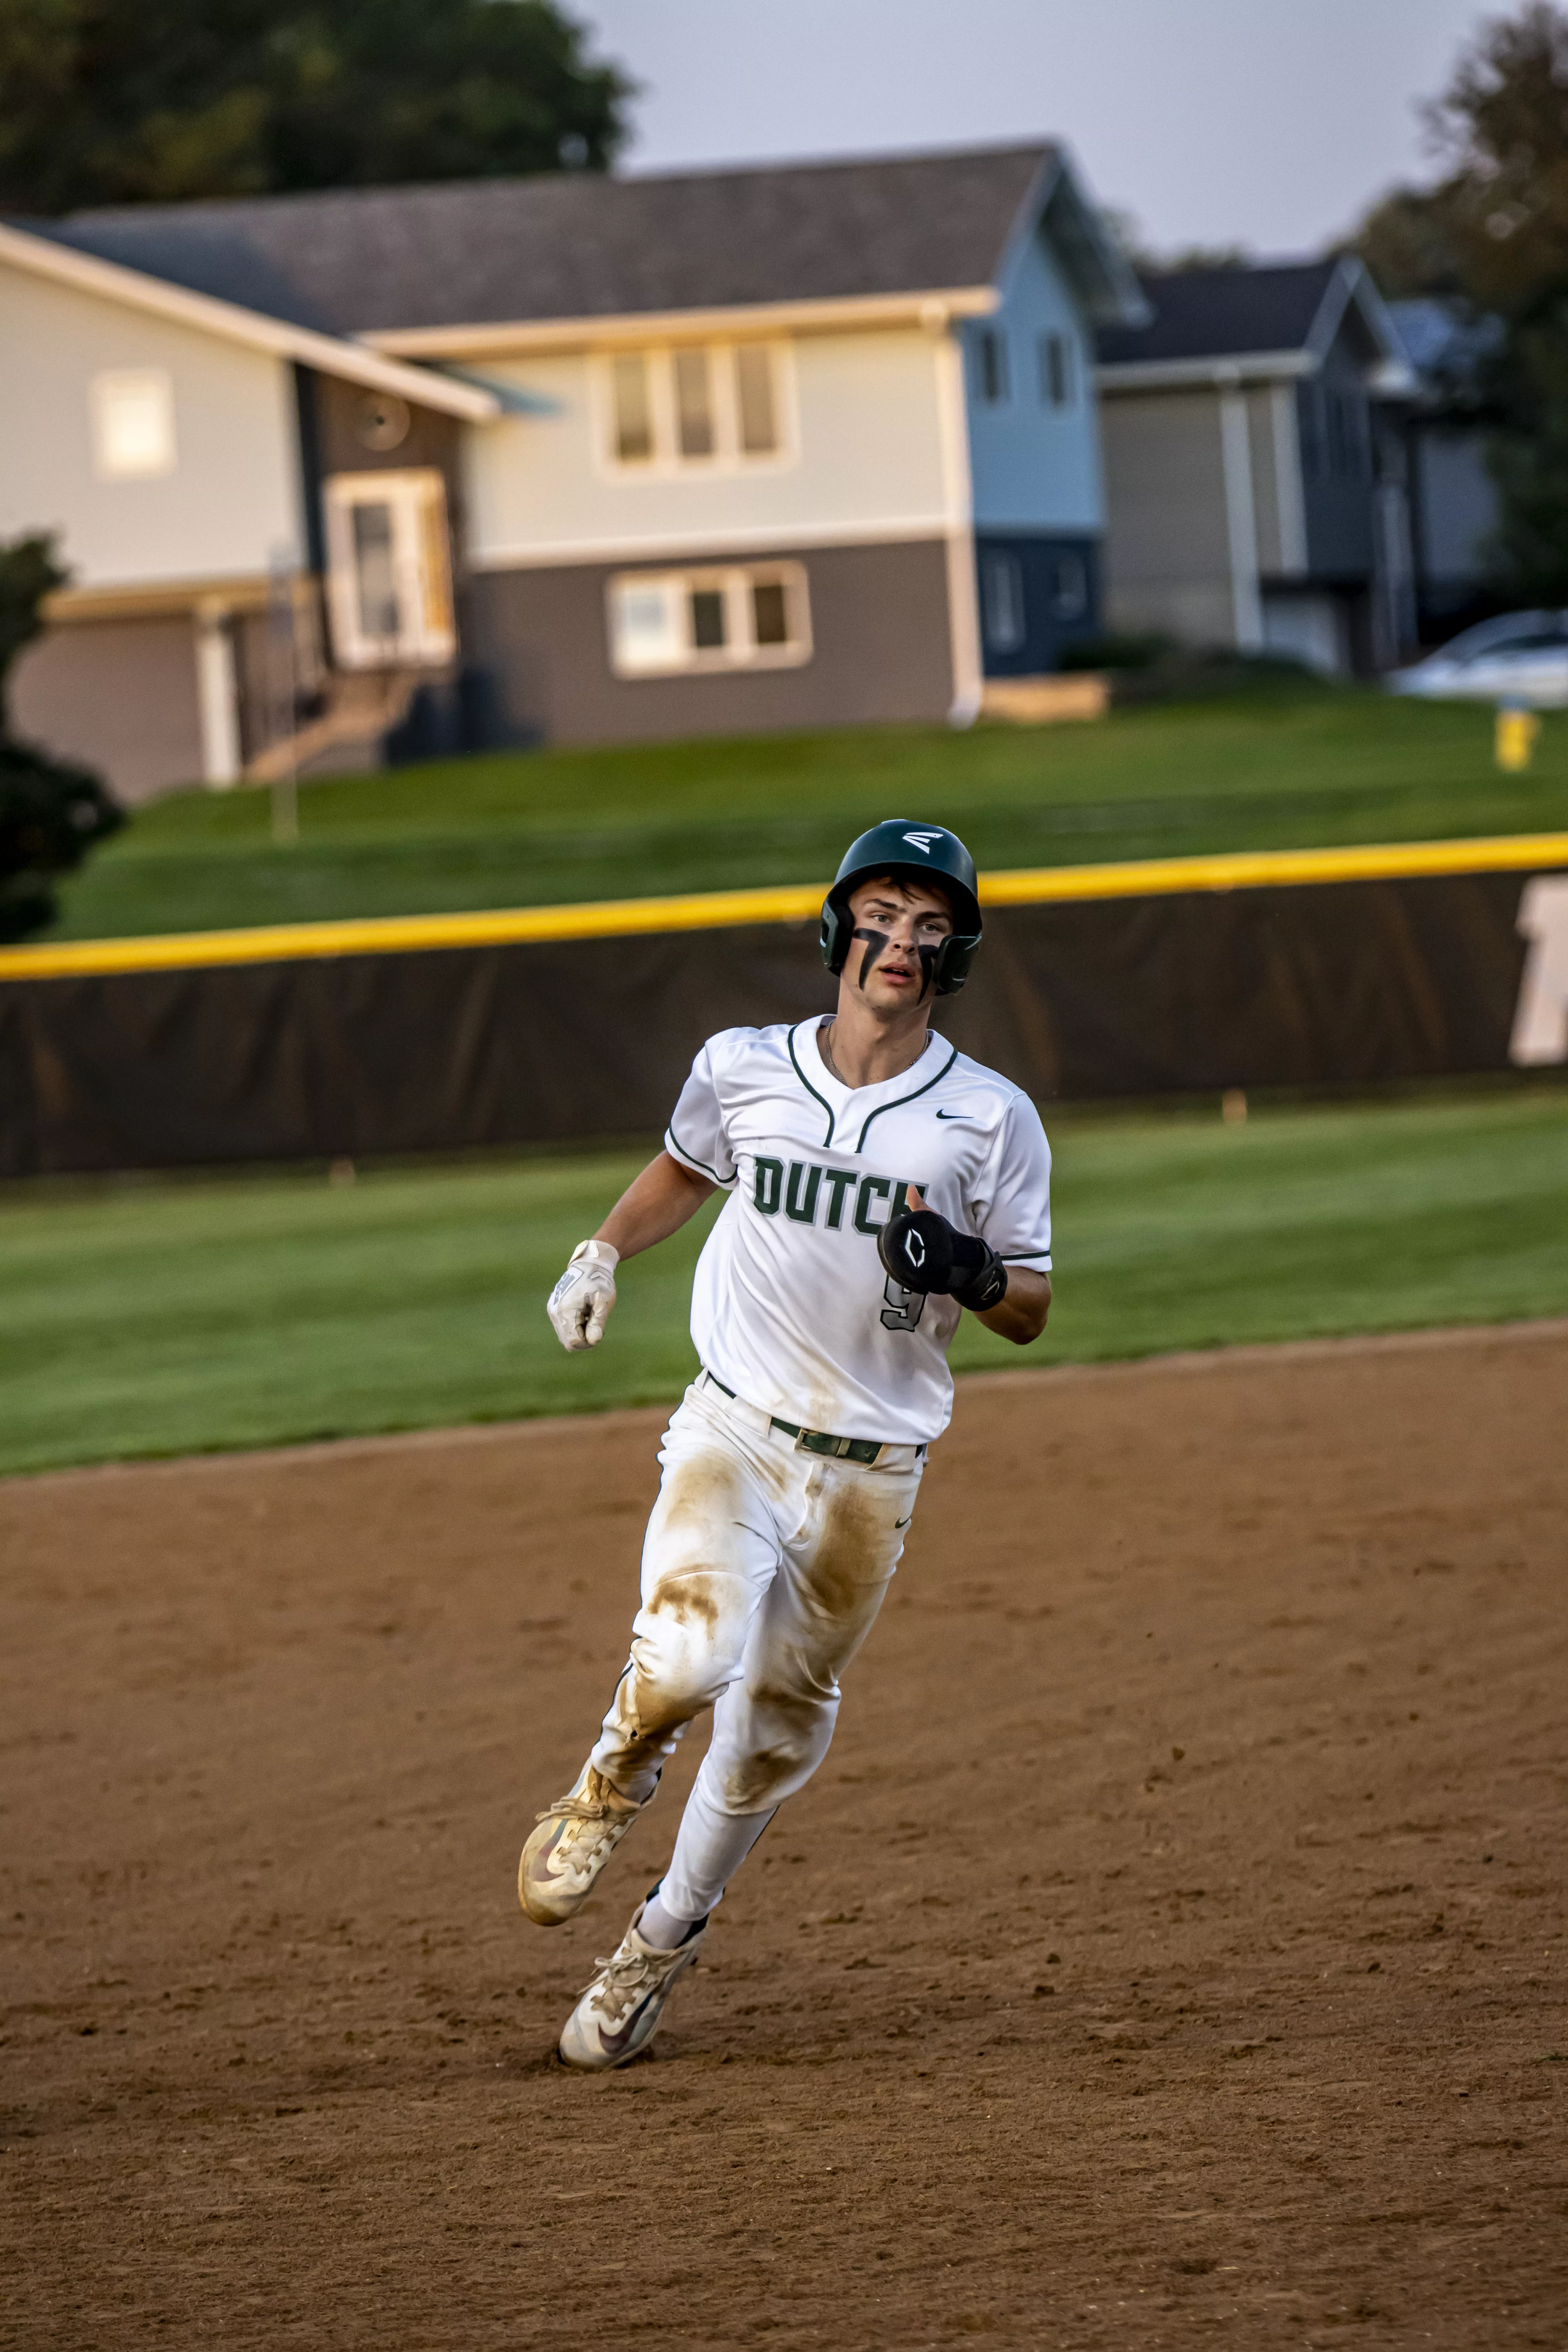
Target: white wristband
[{"x": 601, "y": 1252}]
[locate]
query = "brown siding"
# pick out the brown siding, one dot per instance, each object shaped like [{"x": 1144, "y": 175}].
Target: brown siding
[
  {"x": 119, "y": 696},
  {"x": 880, "y": 632},
  {"x": 432, "y": 439}
]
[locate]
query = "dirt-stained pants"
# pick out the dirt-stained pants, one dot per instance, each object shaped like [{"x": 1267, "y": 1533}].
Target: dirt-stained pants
[{"x": 763, "y": 1569}]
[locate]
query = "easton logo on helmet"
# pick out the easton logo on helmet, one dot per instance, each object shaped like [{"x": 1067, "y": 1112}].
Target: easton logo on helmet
[{"x": 922, "y": 841}]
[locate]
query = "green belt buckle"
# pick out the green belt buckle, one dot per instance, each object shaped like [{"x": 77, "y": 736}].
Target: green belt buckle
[{"x": 840, "y": 1449}]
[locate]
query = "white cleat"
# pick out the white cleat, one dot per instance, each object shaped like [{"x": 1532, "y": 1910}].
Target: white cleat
[
  {"x": 619, "y": 2012},
  {"x": 574, "y": 1840}
]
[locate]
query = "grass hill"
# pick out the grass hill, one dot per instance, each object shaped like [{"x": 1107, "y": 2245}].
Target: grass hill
[{"x": 1277, "y": 766}]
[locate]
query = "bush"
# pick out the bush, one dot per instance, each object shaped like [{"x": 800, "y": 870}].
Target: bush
[
  {"x": 1114, "y": 651},
  {"x": 51, "y": 814}
]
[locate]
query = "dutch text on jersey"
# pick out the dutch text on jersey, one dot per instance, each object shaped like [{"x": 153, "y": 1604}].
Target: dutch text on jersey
[{"x": 803, "y": 1187}]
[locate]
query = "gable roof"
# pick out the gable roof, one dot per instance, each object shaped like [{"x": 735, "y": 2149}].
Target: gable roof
[
  {"x": 566, "y": 245},
  {"x": 1279, "y": 319},
  {"x": 85, "y": 273}
]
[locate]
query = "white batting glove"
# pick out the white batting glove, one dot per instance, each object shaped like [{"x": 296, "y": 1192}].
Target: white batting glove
[{"x": 579, "y": 1305}]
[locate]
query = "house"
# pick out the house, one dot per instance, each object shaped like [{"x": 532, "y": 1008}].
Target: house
[
  {"x": 160, "y": 431},
  {"x": 1454, "y": 509},
  {"x": 1255, "y": 472},
  {"x": 716, "y": 452}
]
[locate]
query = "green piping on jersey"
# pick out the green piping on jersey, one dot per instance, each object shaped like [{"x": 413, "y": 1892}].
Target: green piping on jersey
[
  {"x": 692, "y": 1160},
  {"x": 706, "y": 910},
  {"x": 899, "y": 1103},
  {"x": 810, "y": 1089}
]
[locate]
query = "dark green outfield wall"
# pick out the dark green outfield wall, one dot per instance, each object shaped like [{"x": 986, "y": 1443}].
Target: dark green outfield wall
[{"x": 437, "y": 1051}]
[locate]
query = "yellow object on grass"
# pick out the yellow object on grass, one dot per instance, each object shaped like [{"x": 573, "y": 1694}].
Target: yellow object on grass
[{"x": 1516, "y": 732}]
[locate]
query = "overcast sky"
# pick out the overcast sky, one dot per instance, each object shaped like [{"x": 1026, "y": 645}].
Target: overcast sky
[{"x": 1270, "y": 123}]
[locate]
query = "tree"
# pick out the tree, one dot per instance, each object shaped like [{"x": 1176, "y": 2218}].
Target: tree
[
  {"x": 1493, "y": 233},
  {"x": 1128, "y": 231},
  {"x": 50, "y": 813},
  {"x": 143, "y": 101}
]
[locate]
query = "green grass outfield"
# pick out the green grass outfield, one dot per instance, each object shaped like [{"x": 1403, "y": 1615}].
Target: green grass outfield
[
  {"x": 1277, "y": 767},
  {"x": 167, "y": 1317}
]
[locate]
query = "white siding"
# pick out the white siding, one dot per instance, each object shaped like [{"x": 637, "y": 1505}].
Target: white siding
[
  {"x": 865, "y": 462},
  {"x": 232, "y": 497},
  {"x": 1037, "y": 468}
]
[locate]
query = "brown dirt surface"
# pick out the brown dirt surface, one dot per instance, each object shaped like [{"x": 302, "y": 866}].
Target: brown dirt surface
[{"x": 1171, "y": 1945}]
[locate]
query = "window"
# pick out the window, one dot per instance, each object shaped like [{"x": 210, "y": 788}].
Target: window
[
  {"x": 754, "y": 400},
  {"x": 1069, "y": 590},
  {"x": 992, "y": 382},
  {"x": 751, "y": 617},
  {"x": 700, "y": 404},
  {"x": 132, "y": 424},
  {"x": 389, "y": 572},
  {"x": 633, "y": 409},
  {"x": 1002, "y": 601},
  {"x": 1059, "y": 375},
  {"x": 693, "y": 406}
]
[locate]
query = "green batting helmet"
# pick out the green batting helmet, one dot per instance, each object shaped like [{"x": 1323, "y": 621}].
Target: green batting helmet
[{"x": 909, "y": 853}]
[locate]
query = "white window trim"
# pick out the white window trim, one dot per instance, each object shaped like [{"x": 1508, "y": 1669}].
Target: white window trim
[
  {"x": 739, "y": 653},
  {"x": 411, "y": 492},
  {"x": 667, "y": 463}
]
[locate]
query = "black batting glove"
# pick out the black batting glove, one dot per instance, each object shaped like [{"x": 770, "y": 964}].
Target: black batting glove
[{"x": 922, "y": 1251}]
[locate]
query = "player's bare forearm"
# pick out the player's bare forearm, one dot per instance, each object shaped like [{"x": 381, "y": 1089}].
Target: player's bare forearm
[
  {"x": 1021, "y": 1315},
  {"x": 655, "y": 1205}
]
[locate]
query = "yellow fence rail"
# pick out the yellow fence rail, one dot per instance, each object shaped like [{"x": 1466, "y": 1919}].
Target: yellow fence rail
[{"x": 795, "y": 903}]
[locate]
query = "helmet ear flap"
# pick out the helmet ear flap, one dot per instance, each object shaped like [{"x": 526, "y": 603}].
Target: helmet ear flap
[
  {"x": 954, "y": 957},
  {"x": 836, "y": 933}
]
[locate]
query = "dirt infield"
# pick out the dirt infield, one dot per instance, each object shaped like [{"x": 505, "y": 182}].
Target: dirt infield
[{"x": 1171, "y": 1945}]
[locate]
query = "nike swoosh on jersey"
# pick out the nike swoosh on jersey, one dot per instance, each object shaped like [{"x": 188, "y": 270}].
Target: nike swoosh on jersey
[{"x": 950, "y": 1113}]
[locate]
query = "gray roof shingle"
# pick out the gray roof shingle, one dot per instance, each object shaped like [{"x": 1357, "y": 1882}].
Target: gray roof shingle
[
  {"x": 1203, "y": 314},
  {"x": 574, "y": 245}
]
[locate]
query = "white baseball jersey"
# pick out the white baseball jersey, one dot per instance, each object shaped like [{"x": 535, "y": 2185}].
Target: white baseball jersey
[{"x": 791, "y": 1308}]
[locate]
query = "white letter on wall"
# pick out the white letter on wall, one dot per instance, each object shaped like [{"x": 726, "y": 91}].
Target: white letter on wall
[{"x": 1540, "y": 1018}]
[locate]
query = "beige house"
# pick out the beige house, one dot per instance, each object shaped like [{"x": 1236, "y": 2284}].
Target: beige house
[
  {"x": 156, "y": 430},
  {"x": 1254, "y": 482},
  {"x": 570, "y": 459}
]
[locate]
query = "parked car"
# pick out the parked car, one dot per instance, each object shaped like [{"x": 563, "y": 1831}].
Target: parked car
[{"x": 1520, "y": 657}]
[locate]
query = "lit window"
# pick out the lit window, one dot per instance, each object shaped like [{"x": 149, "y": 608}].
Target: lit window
[
  {"x": 754, "y": 400},
  {"x": 1002, "y": 601},
  {"x": 700, "y": 404},
  {"x": 750, "y": 618},
  {"x": 1057, "y": 373},
  {"x": 990, "y": 373},
  {"x": 633, "y": 409},
  {"x": 389, "y": 572},
  {"x": 645, "y": 619},
  {"x": 132, "y": 424}
]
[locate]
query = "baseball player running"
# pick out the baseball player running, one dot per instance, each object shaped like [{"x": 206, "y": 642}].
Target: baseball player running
[{"x": 879, "y": 1183}]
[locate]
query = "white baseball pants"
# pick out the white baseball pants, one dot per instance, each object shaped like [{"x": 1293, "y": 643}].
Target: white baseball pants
[{"x": 763, "y": 1569}]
